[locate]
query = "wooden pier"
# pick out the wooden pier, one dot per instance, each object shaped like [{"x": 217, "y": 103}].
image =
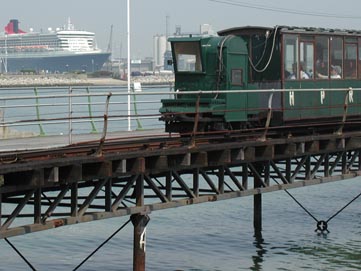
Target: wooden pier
[{"x": 66, "y": 186}]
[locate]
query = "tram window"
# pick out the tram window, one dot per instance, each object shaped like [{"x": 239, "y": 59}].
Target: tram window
[
  {"x": 306, "y": 60},
  {"x": 359, "y": 58},
  {"x": 350, "y": 39},
  {"x": 321, "y": 65},
  {"x": 350, "y": 61},
  {"x": 188, "y": 57},
  {"x": 336, "y": 53},
  {"x": 290, "y": 57},
  {"x": 237, "y": 77}
]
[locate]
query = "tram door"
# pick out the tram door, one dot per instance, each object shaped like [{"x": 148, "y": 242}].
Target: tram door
[{"x": 237, "y": 78}]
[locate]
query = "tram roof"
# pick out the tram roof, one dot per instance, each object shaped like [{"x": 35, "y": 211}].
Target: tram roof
[
  {"x": 249, "y": 30},
  {"x": 244, "y": 30}
]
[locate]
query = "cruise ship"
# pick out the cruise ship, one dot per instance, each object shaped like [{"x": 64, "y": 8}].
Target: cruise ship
[{"x": 54, "y": 51}]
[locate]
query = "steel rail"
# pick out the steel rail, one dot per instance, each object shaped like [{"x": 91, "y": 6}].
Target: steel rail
[{"x": 141, "y": 143}]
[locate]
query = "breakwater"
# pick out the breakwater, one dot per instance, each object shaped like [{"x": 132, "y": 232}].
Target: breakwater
[{"x": 76, "y": 80}]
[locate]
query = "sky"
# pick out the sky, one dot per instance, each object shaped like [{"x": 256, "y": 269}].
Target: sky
[{"x": 149, "y": 17}]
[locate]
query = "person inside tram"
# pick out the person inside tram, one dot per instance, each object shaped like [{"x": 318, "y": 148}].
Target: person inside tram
[
  {"x": 350, "y": 69},
  {"x": 321, "y": 67},
  {"x": 335, "y": 73},
  {"x": 303, "y": 74},
  {"x": 293, "y": 74}
]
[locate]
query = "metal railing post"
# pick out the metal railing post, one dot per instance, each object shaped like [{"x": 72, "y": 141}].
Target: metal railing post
[
  {"x": 196, "y": 120},
  {"x": 94, "y": 129},
  {"x": 345, "y": 107},
  {"x": 3, "y": 129},
  {"x": 42, "y": 133},
  {"x": 138, "y": 88},
  {"x": 105, "y": 126},
  {"x": 268, "y": 120},
  {"x": 70, "y": 114}
]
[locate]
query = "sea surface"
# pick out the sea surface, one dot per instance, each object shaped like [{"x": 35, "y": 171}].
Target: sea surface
[
  {"x": 212, "y": 236},
  {"x": 215, "y": 236}
]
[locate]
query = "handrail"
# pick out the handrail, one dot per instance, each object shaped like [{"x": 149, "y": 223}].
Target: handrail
[
  {"x": 52, "y": 111},
  {"x": 198, "y": 92}
]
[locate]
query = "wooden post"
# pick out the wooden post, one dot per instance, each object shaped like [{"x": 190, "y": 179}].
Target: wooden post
[
  {"x": 344, "y": 162},
  {"x": 288, "y": 170},
  {"x": 196, "y": 182},
  {"x": 139, "y": 190},
  {"x": 168, "y": 186},
  {"x": 308, "y": 168},
  {"x": 221, "y": 179},
  {"x": 108, "y": 195},
  {"x": 74, "y": 200},
  {"x": 1, "y": 210},
  {"x": 245, "y": 176},
  {"x": 37, "y": 206},
  {"x": 327, "y": 166},
  {"x": 140, "y": 222},
  {"x": 257, "y": 203},
  {"x": 257, "y": 218}
]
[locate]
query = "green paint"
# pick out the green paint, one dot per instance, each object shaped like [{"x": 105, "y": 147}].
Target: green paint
[
  {"x": 41, "y": 130},
  {"x": 94, "y": 129}
]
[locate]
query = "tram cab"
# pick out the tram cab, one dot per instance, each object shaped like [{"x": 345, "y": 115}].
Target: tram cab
[{"x": 212, "y": 64}]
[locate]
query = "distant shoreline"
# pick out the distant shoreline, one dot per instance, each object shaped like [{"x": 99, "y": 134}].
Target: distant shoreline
[{"x": 53, "y": 80}]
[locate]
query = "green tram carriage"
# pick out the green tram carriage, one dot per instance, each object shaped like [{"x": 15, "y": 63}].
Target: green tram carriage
[{"x": 261, "y": 58}]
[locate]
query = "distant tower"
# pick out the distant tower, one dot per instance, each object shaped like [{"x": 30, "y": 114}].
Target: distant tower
[
  {"x": 110, "y": 43},
  {"x": 167, "y": 26},
  {"x": 108, "y": 63},
  {"x": 167, "y": 32},
  {"x": 155, "y": 50},
  {"x": 160, "y": 47},
  {"x": 178, "y": 30}
]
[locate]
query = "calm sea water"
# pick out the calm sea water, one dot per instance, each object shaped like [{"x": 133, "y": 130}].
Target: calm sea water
[{"x": 212, "y": 236}]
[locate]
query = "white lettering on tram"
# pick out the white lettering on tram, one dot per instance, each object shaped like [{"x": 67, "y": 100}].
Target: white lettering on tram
[
  {"x": 322, "y": 96},
  {"x": 350, "y": 96},
  {"x": 292, "y": 98}
]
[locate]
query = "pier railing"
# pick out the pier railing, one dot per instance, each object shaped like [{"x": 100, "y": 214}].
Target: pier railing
[{"x": 72, "y": 111}]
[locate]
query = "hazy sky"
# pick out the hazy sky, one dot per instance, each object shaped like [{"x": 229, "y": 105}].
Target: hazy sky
[{"x": 148, "y": 17}]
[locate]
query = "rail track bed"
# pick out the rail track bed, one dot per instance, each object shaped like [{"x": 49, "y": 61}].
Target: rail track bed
[{"x": 136, "y": 143}]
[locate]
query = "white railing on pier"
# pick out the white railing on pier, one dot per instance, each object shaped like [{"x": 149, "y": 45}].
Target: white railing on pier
[
  {"x": 51, "y": 111},
  {"x": 74, "y": 111}
]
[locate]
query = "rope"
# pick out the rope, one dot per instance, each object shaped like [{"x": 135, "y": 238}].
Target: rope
[
  {"x": 19, "y": 253},
  {"x": 344, "y": 207},
  {"x": 322, "y": 225},
  {"x": 304, "y": 208},
  {"x": 270, "y": 57},
  {"x": 102, "y": 244}
]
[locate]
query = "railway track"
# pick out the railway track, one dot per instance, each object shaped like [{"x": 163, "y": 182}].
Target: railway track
[{"x": 126, "y": 145}]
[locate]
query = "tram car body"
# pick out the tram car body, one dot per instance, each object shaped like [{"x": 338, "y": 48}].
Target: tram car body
[{"x": 262, "y": 58}]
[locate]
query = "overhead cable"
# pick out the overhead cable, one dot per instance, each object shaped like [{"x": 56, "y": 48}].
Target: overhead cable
[{"x": 285, "y": 10}]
